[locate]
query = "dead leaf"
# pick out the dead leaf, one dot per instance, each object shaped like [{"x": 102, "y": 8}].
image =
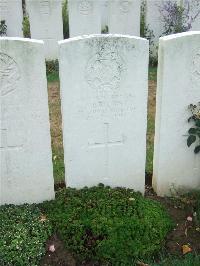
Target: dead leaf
[
  {"x": 189, "y": 219},
  {"x": 52, "y": 248},
  {"x": 43, "y": 218},
  {"x": 140, "y": 263},
  {"x": 186, "y": 249}
]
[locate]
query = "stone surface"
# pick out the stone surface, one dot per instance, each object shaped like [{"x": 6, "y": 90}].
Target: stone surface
[
  {"x": 104, "y": 109},
  {"x": 124, "y": 17},
  {"x": 104, "y": 13},
  {"x": 11, "y": 12},
  {"x": 26, "y": 173},
  {"x": 84, "y": 17},
  {"x": 46, "y": 24},
  {"x": 176, "y": 165}
]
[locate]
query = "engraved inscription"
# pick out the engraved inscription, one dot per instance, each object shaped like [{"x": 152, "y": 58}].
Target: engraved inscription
[
  {"x": 85, "y": 7},
  {"x": 195, "y": 68},
  {"x": 45, "y": 13},
  {"x": 3, "y": 8},
  {"x": 196, "y": 63},
  {"x": 44, "y": 7},
  {"x": 125, "y": 6},
  {"x": 9, "y": 74}
]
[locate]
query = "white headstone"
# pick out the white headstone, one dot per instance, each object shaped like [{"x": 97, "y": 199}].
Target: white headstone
[
  {"x": 26, "y": 174},
  {"x": 124, "y": 17},
  {"x": 175, "y": 165},
  {"x": 84, "y": 17},
  {"x": 46, "y": 24},
  {"x": 11, "y": 12},
  {"x": 104, "y": 109}
]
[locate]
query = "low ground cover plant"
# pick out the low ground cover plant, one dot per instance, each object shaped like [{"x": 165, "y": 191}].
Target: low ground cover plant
[
  {"x": 23, "y": 233},
  {"x": 108, "y": 225}
]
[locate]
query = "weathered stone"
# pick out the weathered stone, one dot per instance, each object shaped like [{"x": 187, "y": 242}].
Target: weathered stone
[
  {"x": 124, "y": 17},
  {"x": 175, "y": 165},
  {"x": 46, "y": 24},
  {"x": 84, "y": 17},
  {"x": 11, "y": 12},
  {"x": 104, "y": 110},
  {"x": 26, "y": 174}
]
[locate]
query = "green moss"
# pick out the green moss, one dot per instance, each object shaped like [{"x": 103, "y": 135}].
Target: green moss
[
  {"x": 108, "y": 225},
  {"x": 22, "y": 235}
]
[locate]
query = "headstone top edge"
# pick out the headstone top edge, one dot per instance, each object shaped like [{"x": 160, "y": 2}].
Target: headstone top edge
[
  {"x": 24, "y": 40},
  {"x": 179, "y": 35},
  {"x": 103, "y": 36}
]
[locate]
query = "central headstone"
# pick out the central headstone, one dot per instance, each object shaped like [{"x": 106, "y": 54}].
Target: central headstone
[{"x": 104, "y": 110}]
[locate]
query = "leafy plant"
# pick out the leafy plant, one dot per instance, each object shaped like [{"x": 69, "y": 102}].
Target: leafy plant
[
  {"x": 105, "y": 30},
  {"x": 147, "y": 33},
  {"x": 178, "y": 17},
  {"x": 23, "y": 233},
  {"x": 194, "y": 132},
  {"x": 65, "y": 20},
  {"x": 3, "y": 28},
  {"x": 52, "y": 70},
  {"x": 26, "y": 27},
  {"x": 108, "y": 225}
]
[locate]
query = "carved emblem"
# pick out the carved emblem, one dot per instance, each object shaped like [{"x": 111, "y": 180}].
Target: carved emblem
[
  {"x": 85, "y": 7},
  {"x": 125, "y": 6},
  {"x": 9, "y": 74},
  {"x": 104, "y": 70}
]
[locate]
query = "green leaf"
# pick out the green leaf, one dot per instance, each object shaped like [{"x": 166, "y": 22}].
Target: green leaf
[
  {"x": 197, "y": 123},
  {"x": 192, "y": 131},
  {"x": 197, "y": 149},
  {"x": 191, "y": 139}
]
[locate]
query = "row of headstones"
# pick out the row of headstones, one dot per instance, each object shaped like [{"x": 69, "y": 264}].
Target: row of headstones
[
  {"x": 104, "y": 112},
  {"x": 85, "y": 17}
]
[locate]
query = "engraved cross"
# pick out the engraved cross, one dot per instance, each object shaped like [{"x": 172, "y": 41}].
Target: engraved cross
[{"x": 106, "y": 144}]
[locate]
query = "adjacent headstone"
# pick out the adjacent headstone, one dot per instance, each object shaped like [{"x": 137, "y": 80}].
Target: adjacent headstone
[
  {"x": 84, "y": 17},
  {"x": 46, "y": 24},
  {"x": 104, "y": 110},
  {"x": 124, "y": 17},
  {"x": 26, "y": 174},
  {"x": 11, "y": 12},
  {"x": 175, "y": 165}
]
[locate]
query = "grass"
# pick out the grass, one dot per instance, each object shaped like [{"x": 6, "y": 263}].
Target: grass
[
  {"x": 53, "y": 77},
  {"x": 153, "y": 73}
]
